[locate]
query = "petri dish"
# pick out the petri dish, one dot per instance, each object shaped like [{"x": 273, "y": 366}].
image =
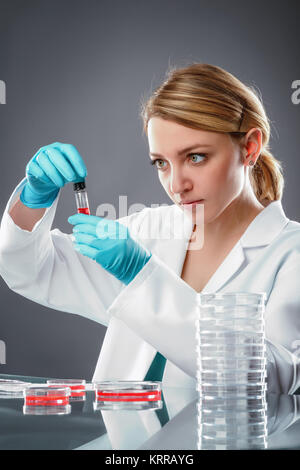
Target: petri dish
[
  {"x": 12, "y": 388},
  {"x": 233, "y": 405},
  {"x": 221, "y": 363},
  {"x": 77, "y": 386},
  {"x": 45, "y": 400},
  {"x": 232, "y": 376},
  {"x": 259, "y": 443},
  {"x": 128, "y": 395}
]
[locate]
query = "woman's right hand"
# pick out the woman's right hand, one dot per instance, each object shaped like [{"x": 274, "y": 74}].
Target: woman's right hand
[{"x": 49, "y": 170}]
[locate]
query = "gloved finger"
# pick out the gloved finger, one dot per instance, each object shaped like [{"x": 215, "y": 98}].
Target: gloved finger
[
  {"x": 47, "y": 166},
  {"x": 86, "y": 250},
  {"x": 73, "y": 156},
  {"x": 105, "y": 228},
  {"x": 61, "y": 163},
  {"x": 84, "y": 219},
  {"x": 112, "y": 229},
  {"x": 33, "y": 169},
  {"x": 85, "y": 228},
  {"x": 84, "y": 238}
]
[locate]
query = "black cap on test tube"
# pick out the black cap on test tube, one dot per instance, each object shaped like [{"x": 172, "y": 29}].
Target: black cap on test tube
[{"x": 79, "y": 185}]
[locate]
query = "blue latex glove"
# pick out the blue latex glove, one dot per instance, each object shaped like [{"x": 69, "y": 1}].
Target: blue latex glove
[
  {"x": 49, "y": 170},
  {"x": 109, "y": 243}
]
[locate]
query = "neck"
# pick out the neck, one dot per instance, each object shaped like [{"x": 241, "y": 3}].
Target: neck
[{"x": 233, "y": 221}]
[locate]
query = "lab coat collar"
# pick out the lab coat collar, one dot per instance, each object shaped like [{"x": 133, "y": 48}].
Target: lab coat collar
[
  {"x": 265, "y": 227},
  {"x": 260, "y": 232}
]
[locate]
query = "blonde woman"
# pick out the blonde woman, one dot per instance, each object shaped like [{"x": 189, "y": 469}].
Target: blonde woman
[{"x": 208, "y": 137}]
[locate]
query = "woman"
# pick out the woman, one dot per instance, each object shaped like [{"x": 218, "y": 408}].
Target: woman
[{"x": 208, "y": 137}]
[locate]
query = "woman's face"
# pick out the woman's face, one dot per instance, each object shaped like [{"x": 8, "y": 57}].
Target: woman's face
[{"x": 211, "y": 169}]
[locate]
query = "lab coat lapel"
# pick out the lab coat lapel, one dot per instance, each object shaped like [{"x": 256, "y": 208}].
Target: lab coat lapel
[
  {"x": 233, "y": 262},
  {"x": 259, "y": 233},
  {"x": 173, "y": 251},
  {"x": 175, "y": 233}
]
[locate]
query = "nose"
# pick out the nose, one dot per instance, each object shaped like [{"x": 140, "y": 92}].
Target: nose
[{"x": 179, "y": 182}]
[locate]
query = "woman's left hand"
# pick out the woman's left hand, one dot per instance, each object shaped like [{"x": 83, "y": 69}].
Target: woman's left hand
[{"x": 109, "y": 243}]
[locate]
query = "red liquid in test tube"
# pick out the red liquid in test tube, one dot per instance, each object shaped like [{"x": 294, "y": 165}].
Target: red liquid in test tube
[{"x": 83, "y": 210}]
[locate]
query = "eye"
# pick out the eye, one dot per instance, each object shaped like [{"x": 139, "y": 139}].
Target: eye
[
  {"x": 153, "y": 162},
  {"x": 198, "y": 155}
]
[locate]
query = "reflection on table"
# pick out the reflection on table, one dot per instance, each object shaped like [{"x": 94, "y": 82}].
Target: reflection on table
[{"x": 89, "y": 428}]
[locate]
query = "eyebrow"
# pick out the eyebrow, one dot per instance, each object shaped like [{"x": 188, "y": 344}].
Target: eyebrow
[{"x": 180, "y": 152}]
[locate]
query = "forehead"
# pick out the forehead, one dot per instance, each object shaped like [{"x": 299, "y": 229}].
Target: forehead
[{"x": 164, "y": 134}]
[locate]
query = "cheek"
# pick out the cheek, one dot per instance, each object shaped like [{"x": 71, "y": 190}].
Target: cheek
[
  {"x": 223, "y": 177},
  {"x": 212, "y": 179},
  {"x": 219, "y": 184}
]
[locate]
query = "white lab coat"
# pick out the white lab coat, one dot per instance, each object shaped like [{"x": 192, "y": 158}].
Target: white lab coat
[{"x": 157, "y": 310}]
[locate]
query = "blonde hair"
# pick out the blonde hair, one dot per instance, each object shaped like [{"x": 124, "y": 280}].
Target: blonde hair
[{"x": 207, "y": 97}]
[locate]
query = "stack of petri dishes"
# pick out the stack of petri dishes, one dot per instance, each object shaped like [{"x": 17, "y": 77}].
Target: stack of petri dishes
[{"x": 231, "y": 375}]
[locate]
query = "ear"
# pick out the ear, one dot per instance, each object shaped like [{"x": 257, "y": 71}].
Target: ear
[{"x": 252, "y": 146}]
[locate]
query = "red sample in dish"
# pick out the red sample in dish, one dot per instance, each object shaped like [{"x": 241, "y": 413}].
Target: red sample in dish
[
  {"x": 77, "y": 386},
  {"x": 151, "y": 395},
  {"x": 53, "y": 400},
  {"x": 46, "y": 396}
]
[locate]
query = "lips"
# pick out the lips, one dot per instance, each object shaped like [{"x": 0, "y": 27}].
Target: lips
[{"x": 183, "y": 203}]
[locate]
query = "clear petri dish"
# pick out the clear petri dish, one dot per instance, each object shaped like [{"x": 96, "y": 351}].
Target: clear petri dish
[
  {"x": 216, "y": 335},
  {"x": 128, "y": 395},
  {"x": 216, "y": 415},
  {"x": 233, "y": 299},
  {"x": 77, "y": 386},
  {"x": 224, "y": 377},
  {"x": 244, "y": 326},
  {"x": 230, "y": 342},
  {"x": 233, "y": 425},
  {"x": 12, "y": 388},
  {"x": 235, "y": 405},
  {"x": 232, "y": 444},
  {"x": 240, "y": 364},
  {"x": 240, "y": 442},
  {"x": 211, "y": 389},
  {"x": 257, "y": 429},
  {"x": 235, "y": 312},
  {"x": 45, "y": 400},
  {"x": 230, "y": 351},
  {"x": 219, "y": 383}
]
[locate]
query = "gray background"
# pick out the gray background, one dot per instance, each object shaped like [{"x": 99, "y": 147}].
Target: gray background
[{"x": 76, "y": 72}]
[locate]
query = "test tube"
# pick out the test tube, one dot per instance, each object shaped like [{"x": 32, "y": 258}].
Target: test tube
[{"x": 81, "y": 197}]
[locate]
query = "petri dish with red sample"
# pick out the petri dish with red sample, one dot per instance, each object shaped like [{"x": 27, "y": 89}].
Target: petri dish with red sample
[{"x": 127, "y": 395}]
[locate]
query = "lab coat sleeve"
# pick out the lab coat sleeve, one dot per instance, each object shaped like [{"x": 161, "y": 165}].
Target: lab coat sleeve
[
  {"x": 162, "y": 309},
  {"x": 43, "y": 266},
  {"x": 283, "y": 329}
]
